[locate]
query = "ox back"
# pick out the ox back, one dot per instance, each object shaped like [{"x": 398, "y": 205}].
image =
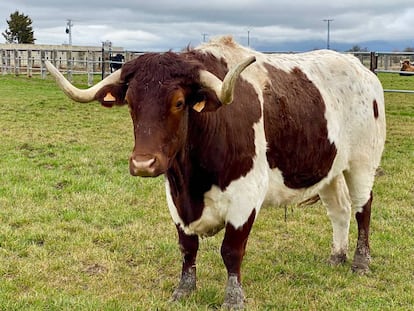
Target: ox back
[{"x": 296, "y": 127}]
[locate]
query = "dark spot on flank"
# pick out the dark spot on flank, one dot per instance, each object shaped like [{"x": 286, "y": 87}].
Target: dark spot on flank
[{"x": 375, "y": 106}]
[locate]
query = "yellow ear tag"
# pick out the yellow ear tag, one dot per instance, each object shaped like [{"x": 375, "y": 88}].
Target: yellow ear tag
[
  {"x": 199, "y": 106},
  {"x": 109, "y": 97}
]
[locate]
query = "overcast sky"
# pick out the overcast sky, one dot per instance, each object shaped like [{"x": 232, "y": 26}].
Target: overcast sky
[{"x": 158, "y": 25}]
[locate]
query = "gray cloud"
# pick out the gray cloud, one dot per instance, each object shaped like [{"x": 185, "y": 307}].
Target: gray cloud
[{"x": 161, "y": 25}]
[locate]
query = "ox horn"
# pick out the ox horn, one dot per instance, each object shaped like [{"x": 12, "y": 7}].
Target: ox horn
[
  {"x": 224, "y": 89},
  {"x": 81, "y": 95}
]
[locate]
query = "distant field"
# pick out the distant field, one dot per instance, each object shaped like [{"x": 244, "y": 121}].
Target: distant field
[{"x": 77, "y": 232}]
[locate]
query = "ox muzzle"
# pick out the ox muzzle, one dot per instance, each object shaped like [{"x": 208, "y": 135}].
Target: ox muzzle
[{"x": 147, "y": 165}]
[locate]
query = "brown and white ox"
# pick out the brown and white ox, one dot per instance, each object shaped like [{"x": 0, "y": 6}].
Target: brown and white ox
[
  {"x": 232, "y": 128},
  {"x": 407, "y": 67}
]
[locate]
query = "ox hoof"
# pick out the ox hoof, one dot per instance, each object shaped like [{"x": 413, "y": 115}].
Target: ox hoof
[
  {"x": 180, "y": 293},
  {"x": 234, "y": 296},
  {"x": 360, "y": 270},
  {"x": 186, "y": 287},
  {"x": 360, "y": 264},
  {"x": 337, "y": 259},
  {"x": 361, "y": 261}
]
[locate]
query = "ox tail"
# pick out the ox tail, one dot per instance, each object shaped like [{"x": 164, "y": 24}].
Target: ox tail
[
  {"x": 304, "y": 203},
  {"x": 314, "y": 199},
  {"x": 309, "y": 201}
]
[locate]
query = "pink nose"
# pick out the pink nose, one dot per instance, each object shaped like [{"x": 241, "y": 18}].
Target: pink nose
[{"x": 144, "y": 166}]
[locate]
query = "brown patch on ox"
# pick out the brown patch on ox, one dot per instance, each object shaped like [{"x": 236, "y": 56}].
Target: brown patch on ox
[
  {"x": 296, "y": 128},
  {"x": 375, "y": 107},
  {"x": 225, "y": 146}
]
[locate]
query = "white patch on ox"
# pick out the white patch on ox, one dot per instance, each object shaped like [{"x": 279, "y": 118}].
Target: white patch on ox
[
  {"x": 335, "y": 197},
  {"x": 349, "y": 114},
  {"x": 235, "y": 204}
]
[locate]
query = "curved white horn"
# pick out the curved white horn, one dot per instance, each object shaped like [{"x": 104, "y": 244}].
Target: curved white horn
[
  {"x": 224, "y": 89},
  {"x": 81, "y": 95}
]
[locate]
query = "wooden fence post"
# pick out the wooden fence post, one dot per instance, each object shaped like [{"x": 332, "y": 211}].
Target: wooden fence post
[
  {"x": 69, "y": 65},
  {"x": 374, "y": 61},
  {"x": 42, "y": 62},
  {"x": 3, "y": 62},
  {"x": 103, "y": 62},
  {"x": 89, "y": 67},
  {"x": 95, "y": 66},
  {"x": 8, "y": 61},
  {"x": 54, "y": 56},
  {"x": 29, "y": 63},
  {"x": 16, "y": 62}
]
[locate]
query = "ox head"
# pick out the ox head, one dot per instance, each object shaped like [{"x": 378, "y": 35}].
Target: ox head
[
  {"x": 406, "y": 66},
  {"x": 161, "y": 90}
]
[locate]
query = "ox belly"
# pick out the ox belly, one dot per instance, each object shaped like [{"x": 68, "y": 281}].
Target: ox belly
[
  {"x": 234, "y": 205},
  {"x": 279, "y": 194}
]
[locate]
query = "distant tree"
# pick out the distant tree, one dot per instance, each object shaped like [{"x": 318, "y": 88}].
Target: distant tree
[
  {"x": 408, "y": 49},
  {"x": 20, "y": 29},
  {"x": 357, "y": 48}
]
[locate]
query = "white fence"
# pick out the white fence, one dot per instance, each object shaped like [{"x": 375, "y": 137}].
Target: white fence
[
  {"x": 70, "y": 61},
  {"x": 98, "y": 61}
]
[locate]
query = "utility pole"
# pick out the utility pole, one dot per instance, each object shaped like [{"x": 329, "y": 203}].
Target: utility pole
[
  {"x": 248, "y": 38},
  {"x": 329, "y": 30},
  {"x": 69, "y": 26}
]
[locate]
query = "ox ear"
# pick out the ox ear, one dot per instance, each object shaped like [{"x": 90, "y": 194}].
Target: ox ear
[
  {"x": 206, "y": 101},
  {"x": 113, "y": 94}
]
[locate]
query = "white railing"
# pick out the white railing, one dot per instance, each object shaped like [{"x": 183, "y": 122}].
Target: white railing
[
  {"x": 98, "y": 61},
  {"x": 70, "y": 62}
]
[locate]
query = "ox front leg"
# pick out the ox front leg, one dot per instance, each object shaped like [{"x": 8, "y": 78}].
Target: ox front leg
[
  {"x": 189, "y": 248},
  {"x": 362, "y": 255},
  {"x": 232, "y": 252}
]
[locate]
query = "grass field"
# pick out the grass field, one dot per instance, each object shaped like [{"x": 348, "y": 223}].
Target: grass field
[{"x": 77, "y": 232}]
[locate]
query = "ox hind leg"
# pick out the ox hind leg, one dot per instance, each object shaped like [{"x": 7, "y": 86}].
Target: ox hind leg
[
  {"x": 335, "y": 197},
  {"x": 360, "y": 184}
]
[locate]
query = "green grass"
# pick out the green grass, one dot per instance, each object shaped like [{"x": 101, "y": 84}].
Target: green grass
[{"x": 77, "y": 232}]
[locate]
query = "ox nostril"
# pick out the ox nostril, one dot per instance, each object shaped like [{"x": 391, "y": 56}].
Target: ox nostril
[
  {"x": 147, "y": 165},
  {"x": 142, "y": 165}
]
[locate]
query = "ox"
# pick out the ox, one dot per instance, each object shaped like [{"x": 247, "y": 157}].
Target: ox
[
  {"x": 116, "y": 62},
  {"x": 406, "y": 66},
  {"x": 296, "y": 127}
]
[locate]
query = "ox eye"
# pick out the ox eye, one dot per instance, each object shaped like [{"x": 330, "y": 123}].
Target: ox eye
[{"x": 179, "y": 104}]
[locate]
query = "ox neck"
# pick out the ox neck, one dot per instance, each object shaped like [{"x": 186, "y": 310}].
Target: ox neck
[{"x": 217, "y": 151}]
